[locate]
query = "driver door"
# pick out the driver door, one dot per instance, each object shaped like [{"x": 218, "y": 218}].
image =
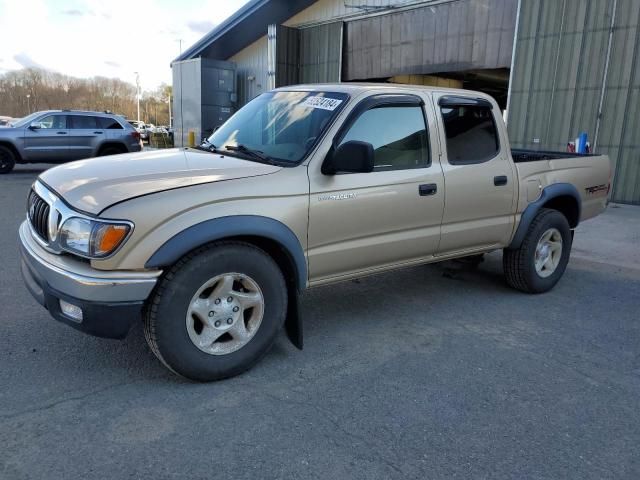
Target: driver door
[
  {"x": 360, "y": 222},
  {"x": 50, "y": 142}
]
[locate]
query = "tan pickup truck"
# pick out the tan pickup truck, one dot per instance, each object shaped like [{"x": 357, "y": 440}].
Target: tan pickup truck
[{"x": 304, "y": 186}]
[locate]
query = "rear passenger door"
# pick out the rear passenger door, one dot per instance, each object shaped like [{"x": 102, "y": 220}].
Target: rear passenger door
[
  {"x": 85, "y": 134},
  {"x": 479, "y": 175}
]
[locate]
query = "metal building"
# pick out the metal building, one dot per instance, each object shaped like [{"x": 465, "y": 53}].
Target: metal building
[
  {"x": 560, "y": 66},
  {"x": 204, "y": 93},
  {"x": 577, "y": 68}
]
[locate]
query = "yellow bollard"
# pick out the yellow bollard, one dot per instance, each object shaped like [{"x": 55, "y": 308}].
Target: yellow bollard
[{"x": 192, "y": 138}]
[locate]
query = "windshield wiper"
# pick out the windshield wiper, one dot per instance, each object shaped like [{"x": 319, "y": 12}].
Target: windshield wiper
[{"x": 257, "y": 154}]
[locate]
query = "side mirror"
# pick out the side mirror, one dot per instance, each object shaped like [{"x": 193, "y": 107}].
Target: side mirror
[
  {"x": 35, "y": 126},
  {"x": 350, "y": 157}
]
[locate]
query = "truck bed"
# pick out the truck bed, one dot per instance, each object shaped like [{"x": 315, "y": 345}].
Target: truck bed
[{"x": 522, "y": 155}]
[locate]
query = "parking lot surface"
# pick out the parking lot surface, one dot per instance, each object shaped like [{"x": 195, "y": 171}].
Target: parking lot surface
[{"x": 430, "y": 372}]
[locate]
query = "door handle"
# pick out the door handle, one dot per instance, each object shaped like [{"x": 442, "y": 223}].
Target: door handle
[
  {"x": 97, "y": 132},
  {"x": 61, "y": 133},
  {"x": 500, "y": 180},
  {"x": 427, "y": 189}
]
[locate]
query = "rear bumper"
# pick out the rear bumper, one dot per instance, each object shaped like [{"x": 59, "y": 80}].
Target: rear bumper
[{"x": 110, "y": 301}]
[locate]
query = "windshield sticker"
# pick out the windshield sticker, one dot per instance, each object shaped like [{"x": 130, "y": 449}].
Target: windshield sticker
[{"x": 321, "y": 102}]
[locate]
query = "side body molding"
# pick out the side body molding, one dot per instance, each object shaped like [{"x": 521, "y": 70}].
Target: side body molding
[
  {"x": 549, "y": 193},
  {"x": 235, "y": 226}
]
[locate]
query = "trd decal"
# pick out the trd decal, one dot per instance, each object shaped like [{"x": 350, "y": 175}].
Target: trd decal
[{"x": 596, "y": 188}]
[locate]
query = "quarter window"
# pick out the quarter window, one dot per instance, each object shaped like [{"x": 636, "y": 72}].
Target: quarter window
[
  {"x": 471, "y": 134},
  {"x": 398, "y": 135},
  {"x": 109, "y": 123}
]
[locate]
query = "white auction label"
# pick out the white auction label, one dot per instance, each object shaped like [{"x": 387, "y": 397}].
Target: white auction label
[{"x": 321, "y": 102}]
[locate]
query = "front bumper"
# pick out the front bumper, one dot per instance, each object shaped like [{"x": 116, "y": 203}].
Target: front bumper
[{"x": 110, "y": 301}]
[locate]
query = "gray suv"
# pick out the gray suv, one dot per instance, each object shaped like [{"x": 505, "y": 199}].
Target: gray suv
[{"x": 58, "y": 136}]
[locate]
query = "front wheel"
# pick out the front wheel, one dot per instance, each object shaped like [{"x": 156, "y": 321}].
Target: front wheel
[
  {"x": 7, "y": 160},
  {"x": 217, "y": 311},
  {"x": 542, "y": 258}
]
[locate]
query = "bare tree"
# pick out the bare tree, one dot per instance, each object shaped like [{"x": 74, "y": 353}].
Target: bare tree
[{"x": 52, "y": 90}]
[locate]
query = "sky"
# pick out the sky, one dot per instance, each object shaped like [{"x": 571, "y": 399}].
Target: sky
[{"x": 109, "y": 38}]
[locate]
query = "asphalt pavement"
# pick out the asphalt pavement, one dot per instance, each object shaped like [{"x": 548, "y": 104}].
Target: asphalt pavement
[{"x": 429, "y": 372}]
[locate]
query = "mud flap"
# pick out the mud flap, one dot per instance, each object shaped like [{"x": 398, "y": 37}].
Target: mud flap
[{"x": 293, "y": 322}]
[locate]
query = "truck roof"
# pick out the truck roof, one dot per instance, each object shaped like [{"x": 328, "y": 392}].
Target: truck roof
[{"x": 354, "y": 88}]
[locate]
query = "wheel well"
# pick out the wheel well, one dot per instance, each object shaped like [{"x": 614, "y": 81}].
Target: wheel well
[
  {"x": 11, "y": 147},
  {"x": 117, "y": 145},
  {"x": 278, "y": 253},
  {"x": 568, "y": 206},
  {"x": 293, "y": 322}
]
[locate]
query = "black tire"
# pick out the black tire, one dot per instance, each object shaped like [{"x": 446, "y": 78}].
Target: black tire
[
  {"x": 111, "y": 151},
  {"x": 7, "y": 159},
  {"x": 519, "y": 264},
  {"x": 165, "y": 315}
]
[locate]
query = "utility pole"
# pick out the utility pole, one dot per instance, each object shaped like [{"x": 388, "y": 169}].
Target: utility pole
[
  {"x": 138, "y": 93},
  {"x": 28, "y": 104},
  {"x": 169, "y": 103}
]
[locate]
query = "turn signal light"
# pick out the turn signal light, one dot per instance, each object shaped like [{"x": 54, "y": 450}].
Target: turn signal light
[{"x": 108, "y": 237}]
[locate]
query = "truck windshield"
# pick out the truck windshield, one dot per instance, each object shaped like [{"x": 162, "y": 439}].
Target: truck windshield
[{"x": 282, "y": 126}]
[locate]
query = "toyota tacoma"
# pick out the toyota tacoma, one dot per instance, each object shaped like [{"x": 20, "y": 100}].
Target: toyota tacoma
[{"x": 211, "y": 247}]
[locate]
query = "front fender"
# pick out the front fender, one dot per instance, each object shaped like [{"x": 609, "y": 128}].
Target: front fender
[{"x": 227, "y": 227}]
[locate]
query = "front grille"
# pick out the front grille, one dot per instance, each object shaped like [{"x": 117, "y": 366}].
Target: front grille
[{"x": 38, "y": 212}]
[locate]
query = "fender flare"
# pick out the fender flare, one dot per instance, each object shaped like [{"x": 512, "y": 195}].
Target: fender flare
[
  {"x": 548, "y": 193},
  {"x": 233, "y": 226}
]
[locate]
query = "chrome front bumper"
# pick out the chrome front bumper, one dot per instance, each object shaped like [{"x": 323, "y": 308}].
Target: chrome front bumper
[{"x": 109, "y": 300}]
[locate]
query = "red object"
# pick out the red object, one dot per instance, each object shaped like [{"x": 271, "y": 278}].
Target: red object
[{"x": 136, "y": 134}]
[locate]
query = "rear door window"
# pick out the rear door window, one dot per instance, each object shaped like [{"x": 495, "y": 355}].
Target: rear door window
[
  {"x": 83, "y": 122},
  {"x": 471, "y": 134}
]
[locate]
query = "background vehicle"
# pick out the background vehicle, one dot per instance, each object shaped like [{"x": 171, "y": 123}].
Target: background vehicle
[
  {"x": 5, "y": 121},
  {"x": 303, "y": 186},
  {"x": 58, "y": 136}
]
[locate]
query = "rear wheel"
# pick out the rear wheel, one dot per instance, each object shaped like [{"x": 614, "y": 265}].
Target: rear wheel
[
  {"x": 217, "y": 311},
  {"x": 542, "y": 258},
  {"x": 7, "y": 159}
]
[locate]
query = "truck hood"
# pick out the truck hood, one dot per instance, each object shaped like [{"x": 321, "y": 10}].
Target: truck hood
[{"x": 95, "y": 184}]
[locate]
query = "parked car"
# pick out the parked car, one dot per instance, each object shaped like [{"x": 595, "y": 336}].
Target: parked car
[
  {"x": 159, "y": 129},
  {"x": 58, "y": 136},
  {"x": 136, "y": 124},
  {"x": 144, "y": 128},
  {"x": 5, "y": 121},
  {"x": 304, "y": 186}
]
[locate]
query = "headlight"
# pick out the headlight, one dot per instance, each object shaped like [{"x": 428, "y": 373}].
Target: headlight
[{"x": 92, "y": 238}]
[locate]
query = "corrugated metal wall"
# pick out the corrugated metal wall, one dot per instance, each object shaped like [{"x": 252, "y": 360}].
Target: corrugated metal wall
[
  {"x": 321, "y": 53},
  {"x": 559, "y": 79},
  {"x": 251, "y": 70},
  {"x": 445, "y": 37},
  {"x": 287, "y": 56}
]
